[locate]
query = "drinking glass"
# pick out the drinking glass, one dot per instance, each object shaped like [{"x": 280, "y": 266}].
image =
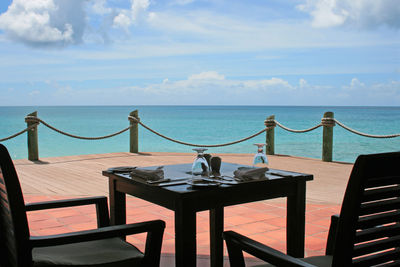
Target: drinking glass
[
  {"x": 200, "y": 165},
  {"x": 260, "y": 159}
]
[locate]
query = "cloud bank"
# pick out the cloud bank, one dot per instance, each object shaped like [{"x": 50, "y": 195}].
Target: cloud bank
[
  {"x": 65, "y": 22},
  {"x": 45, "y": 22},
  {"x": 359, "y": 13},
  {"x": 213, "y": 88},
  {"x": 209, "y": 88}
]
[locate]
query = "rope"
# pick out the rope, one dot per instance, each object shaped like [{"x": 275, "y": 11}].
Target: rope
[
  {"x": 364, "y": 134},
  {"x": 269, "y": 123},
  {"x": 31, "y": 118},
  {"x": 330, "y": 122},
  {"x": 137, "y": 120},
  {"x": 298, "y": 131},
  {"x": 19, "y": 133}
]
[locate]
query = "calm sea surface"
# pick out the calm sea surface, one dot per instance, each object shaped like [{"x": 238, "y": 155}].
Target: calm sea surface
[{"x": 202, "y": 125}]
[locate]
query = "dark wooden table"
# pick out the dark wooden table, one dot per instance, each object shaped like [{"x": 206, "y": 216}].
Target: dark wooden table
[{"x": 185, "y": 201}]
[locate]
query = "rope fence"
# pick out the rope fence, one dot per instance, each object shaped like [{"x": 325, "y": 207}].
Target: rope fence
[
  {"x": 136, "y": 120},
  {"x": 327, "y": 122},
  {"x": 298, "y": 131},
  {"x": 364, "y": 134},
  {"x": 19, "y": 133},
  {"x": 35, "y": 119}
]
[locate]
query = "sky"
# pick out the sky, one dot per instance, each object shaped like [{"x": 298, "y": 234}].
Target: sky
[{"x": 200, "y": 52}]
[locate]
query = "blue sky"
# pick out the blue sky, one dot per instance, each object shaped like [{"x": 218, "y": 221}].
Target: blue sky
[{"x": 200, "y": 52}]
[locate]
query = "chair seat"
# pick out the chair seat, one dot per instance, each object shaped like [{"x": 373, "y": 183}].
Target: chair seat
[
  {"x": 113, "y": 252},
  {"x": 320, "y": 261}
]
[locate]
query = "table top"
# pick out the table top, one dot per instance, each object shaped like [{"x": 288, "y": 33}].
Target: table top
[
  {"x": 180, "y": 174},
  {"x": 278, "y": 183}
]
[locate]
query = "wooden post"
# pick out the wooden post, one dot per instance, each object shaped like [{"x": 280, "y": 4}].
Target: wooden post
[
  {"x": 134, "y": 133},
  {"x": 270, "y": 135},
  {"x": 327, "y": 141},
  {"x": 33, "y": 147}
]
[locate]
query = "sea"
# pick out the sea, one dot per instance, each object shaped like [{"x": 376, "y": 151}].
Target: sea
[{"x": 204, "y": 125}]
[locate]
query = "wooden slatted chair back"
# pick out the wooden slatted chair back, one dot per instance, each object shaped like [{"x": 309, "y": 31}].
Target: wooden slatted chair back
[
  {"x": 369, "y": 230},
  {"x": 14, "y": 232}
]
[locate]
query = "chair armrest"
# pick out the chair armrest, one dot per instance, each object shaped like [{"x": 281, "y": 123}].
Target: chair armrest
[
  {"x": 100, "y": 202},
  {"x": 96, "y": 234},
  {"x": 330, "y": 243},
  {"x": 237, "y": 243}
]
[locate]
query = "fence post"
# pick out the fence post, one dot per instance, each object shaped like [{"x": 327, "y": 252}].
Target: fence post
[
  {"x": 134, "y": 133},
  {"x": 327, "y": 141},
  {"x": 270, "y": 135},
  {"x": 33, "y": 147}
]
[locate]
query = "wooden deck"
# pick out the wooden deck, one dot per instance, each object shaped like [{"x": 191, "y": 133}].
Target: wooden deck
[
  {"x": 81, "y": 175},
  {"x": 264, "y": 221}
]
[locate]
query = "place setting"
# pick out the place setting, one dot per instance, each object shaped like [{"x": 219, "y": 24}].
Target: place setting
[{"x": 205, "y": 172}]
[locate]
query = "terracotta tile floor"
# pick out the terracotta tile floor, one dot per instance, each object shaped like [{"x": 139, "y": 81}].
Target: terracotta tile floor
[{"x": 263, "y": 221}]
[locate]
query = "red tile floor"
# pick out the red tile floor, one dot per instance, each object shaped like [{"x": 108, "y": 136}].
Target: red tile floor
[{"x": 263, "y": 221}]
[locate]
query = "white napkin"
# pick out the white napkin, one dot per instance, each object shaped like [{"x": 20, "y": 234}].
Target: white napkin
[
  {"x": 249, "y": 173},
  {"x": 121, "y": 169},
  {"x": 146, "y": 174}
]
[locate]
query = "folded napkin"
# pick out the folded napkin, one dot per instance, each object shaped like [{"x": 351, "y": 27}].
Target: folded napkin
[
  {"x": 249, "y": 173},
  {"x": 146, "y": 174},
  {"x": 121, "y": 169}
]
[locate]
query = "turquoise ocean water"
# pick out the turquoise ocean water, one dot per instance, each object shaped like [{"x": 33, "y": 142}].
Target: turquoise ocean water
[{"x": 202, "y": 125}]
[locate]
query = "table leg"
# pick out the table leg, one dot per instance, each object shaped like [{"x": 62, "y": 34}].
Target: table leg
[
  {"x": 295, "y": 221},
  {"x": 185, "y": 236},
  {"x": 216, "y": 241},
  {"x": 117, "y": 204}
]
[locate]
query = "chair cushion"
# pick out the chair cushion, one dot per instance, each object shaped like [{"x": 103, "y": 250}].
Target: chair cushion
[
  {"x": 113, "y": 252},
  {"x": 320, "y": 261}
]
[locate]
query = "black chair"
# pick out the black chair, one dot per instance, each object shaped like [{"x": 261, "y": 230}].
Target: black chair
[
  {"x": 367, "y": 232},
  {"x": 104, "y": 246}
]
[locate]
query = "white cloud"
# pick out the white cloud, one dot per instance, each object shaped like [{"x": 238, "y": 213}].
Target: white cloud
[
  {"x": 359, "y": 13},
  {"x": 379, "y": 93},
  {"x": 387, "y": 90},
  {"x": 209, "y": 31},
  {"x": 44, "y": 22},
  {"x": 99, "y": 7},
  {"x": 355, "y": 84},
  {"x": 207, "y": 75},
  {"x": 214, "y": 88},
  {"x": 268, "y": 84},
  {"x": 64, "y": 22},
  {"x": 139, "y": 6},
  {"x": 122, "y": 20},
  {"x": 303, "y": 83},
  {"x": 126, "y": 17},
  {"x": 212, "y": 83}
]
